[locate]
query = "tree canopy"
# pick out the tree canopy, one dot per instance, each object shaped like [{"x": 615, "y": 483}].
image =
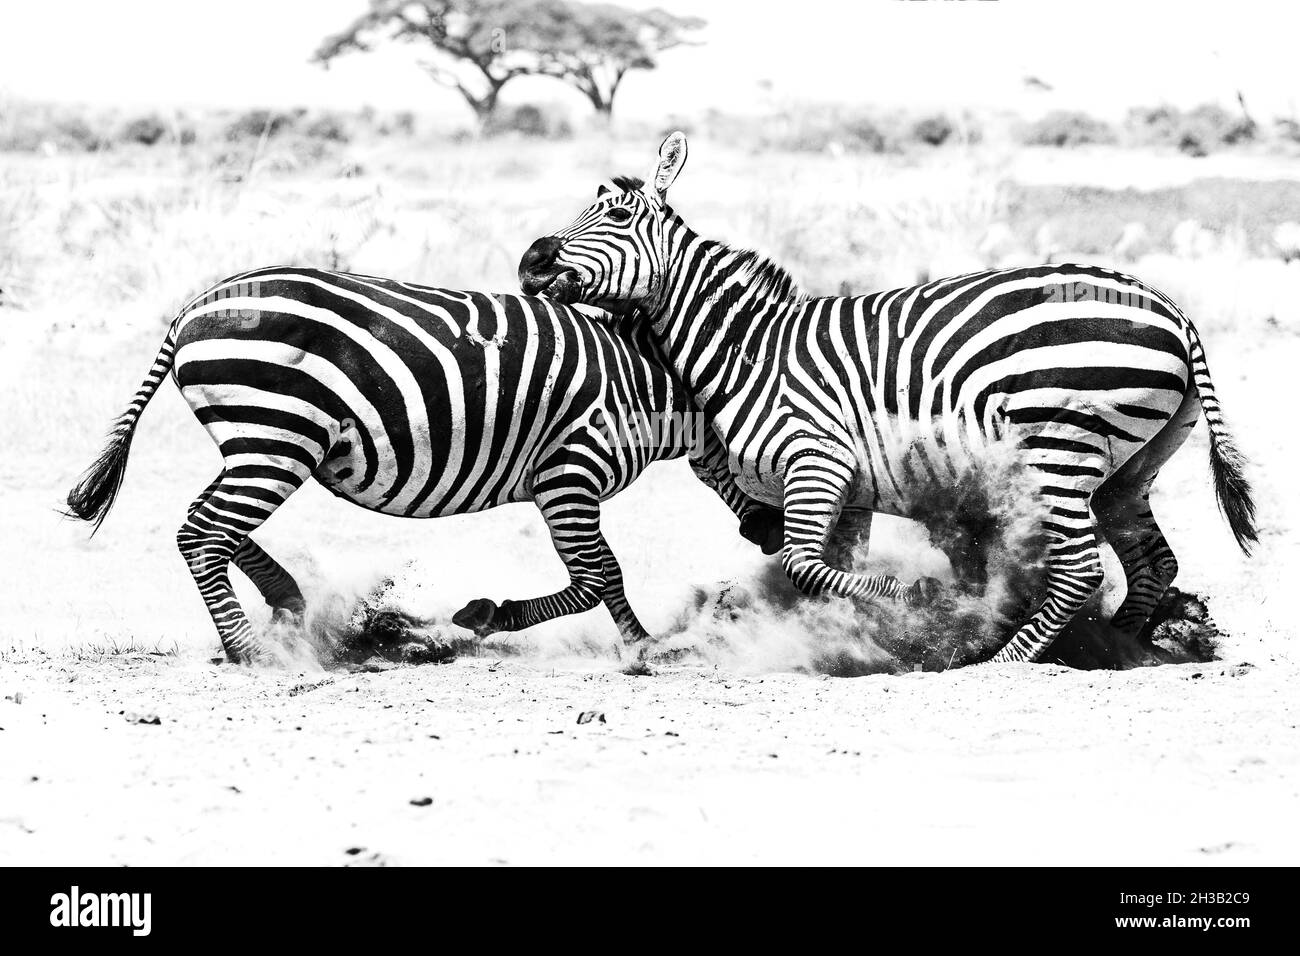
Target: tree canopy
[
  {"x": 592, "y": 46},
  {"x": 478, "y": 46}
]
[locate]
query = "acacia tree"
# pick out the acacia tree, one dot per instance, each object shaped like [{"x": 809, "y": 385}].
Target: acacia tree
[
  {"x": 478, "y": 45},
  {"x": 481, "y": 45},
  {"x": 593, "y": 46}
]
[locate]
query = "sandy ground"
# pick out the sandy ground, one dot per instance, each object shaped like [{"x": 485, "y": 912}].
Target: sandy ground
[{"x": 480, "y": 762}]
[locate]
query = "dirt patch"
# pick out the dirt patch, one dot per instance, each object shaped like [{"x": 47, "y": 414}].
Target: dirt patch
[
  {"x": 377, "y": 628},
  {"x": 476, "y": 763},
  {"x": 1180, "y": 631},
  {"x": 366, "y": 632}
]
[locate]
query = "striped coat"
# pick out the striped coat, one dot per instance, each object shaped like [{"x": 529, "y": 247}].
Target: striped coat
[{"x": 411, "y": 401}]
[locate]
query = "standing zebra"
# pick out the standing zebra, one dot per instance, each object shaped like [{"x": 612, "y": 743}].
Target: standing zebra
[
  {"x": 411, "y": 401},
  {"x": 833, "y": 406}
]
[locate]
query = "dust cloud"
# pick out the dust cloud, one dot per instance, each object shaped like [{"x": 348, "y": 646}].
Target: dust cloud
[
  {"x": 975, "y": 527},
  {"x": 984, "y": 516}
]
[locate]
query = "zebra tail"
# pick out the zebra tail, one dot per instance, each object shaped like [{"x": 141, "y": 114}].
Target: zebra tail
[
  {"x": 93, "y": 495},
  {"x": 1227, "y": 463}
]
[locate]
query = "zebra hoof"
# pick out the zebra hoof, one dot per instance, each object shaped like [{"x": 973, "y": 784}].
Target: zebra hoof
[
  {"x": 477, "y": 616},
  {"x": 765, "y": 527},
  {"x": 1000, "y": 665},
  {"x": 1007, "y": 656},
  {"x": 924, "y": 593},
  {"x": 246, "y": 657}
]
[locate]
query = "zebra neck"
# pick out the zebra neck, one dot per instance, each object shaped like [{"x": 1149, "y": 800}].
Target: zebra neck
[{"x": 720, "y": 302}]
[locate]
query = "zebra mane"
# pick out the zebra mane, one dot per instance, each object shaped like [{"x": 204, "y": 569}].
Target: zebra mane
[
  {"x": 763, "y": 283},
  {"x": 628, "y": 184},
  {"x": 764, "y": 279}
]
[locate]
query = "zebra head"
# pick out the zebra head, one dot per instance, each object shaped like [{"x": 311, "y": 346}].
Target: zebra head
[{"x": 614, "y": 254}]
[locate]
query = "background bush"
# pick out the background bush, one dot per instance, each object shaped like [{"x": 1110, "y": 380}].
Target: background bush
[
  {"x": 1067, "y": 128},
  {"x": 1197, "y": 132},
  {"x": 933, "y": 130},
  {"x": 145, "y": 130},
  {"x": 330, "y": 127},
  {"x": 536, "y": 121},
  {"x": 252, "y": 124}
]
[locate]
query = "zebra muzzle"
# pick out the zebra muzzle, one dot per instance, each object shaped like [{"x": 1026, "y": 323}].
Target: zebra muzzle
[{"x": 563, "y": 286}]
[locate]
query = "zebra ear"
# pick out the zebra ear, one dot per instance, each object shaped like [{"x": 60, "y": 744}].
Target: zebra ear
[
  {"x": 672, "y": 157},
  {"x": 602, "y": 190}
]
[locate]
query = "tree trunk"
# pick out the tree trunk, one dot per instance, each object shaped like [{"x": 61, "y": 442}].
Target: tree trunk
[
  {"x": 608, "y": 107},
  {"x": 483, "y": 110},
  {"x": 485, "y": 105},
  {"x": 603, "y": 106}
]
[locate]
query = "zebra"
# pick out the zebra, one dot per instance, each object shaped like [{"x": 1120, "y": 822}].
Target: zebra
[
  {"x": 832, "y": 407},
  {"x": 412, "y": 401}
]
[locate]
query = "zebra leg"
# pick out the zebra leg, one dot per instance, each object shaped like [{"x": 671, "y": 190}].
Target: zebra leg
[
  {"x": 1128, "y": 525},
  {"x": 1074, "y": 570},
  {"x": 572, "y": 514},
  {"x": 964, "y": 541},
  {"x": 616, "y": 600},
  {"x": 763, "y": 525},
  {"x": 277, "y": 587},
  {"x": 815, "y": 488},
  {"x": 273, "y": 582},
  {"x": 1123, "y": 508},
  {"x": 1073, "y": 575},
  {"x": 219, "y": 522},
  {"x": 851, "y": 534},
  {"x": 759, "y": 523}
]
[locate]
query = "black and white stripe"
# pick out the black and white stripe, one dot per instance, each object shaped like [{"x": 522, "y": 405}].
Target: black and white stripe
[
  {"x": 836, "y": 407},
  {"x": 411, "y": 401}
]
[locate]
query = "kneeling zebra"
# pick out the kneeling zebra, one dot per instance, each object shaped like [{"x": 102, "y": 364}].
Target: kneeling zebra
[{"x": 411, "y": 401}]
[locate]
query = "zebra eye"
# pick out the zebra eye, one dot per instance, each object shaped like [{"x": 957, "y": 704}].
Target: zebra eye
[{"x": 619, "y": 214}]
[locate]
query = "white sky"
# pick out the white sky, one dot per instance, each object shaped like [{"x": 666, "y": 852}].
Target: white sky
[{"x": 1101, "y": 55}]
